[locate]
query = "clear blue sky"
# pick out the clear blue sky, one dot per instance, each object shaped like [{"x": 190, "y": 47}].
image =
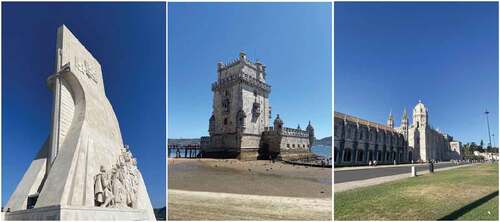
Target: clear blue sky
[
  {"x": 292, "y": 39},
  {"x": 390, "y": 55},
  {"x": 129, "y": 41}
]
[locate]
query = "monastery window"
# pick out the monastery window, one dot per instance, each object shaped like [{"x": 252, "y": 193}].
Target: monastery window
[
  {"x": 288, "y": 145},
  {"x": 225, "y": 121},
  {"x": 293, "y": 145}
]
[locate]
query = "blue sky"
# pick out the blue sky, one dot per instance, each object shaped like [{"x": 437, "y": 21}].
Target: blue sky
[
  {"x": 129, "y": 41},
  {"x": 292, "y": 39},
  {"x": 390, "y": 55}
]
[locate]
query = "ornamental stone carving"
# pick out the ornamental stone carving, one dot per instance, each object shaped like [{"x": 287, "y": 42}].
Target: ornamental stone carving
[
  {"x": 256, "y": 109},
  {"x": 87, "y": 69},
  {"x": 241, "y": 119},
  {"x": 118, "y": 187},
  {"x": 226, "y": 101}
]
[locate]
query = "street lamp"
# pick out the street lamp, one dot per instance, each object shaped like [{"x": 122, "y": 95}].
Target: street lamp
[
  {"x": 493, "y": 135},
  {"x": 488, "y": 123}
]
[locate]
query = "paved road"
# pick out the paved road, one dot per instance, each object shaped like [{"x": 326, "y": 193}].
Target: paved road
[{"x": 363, "y": 174}]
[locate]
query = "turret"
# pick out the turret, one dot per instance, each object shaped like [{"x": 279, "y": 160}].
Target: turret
[
  {"x": 404, "y": 124},
  {"x": 261, "y": 71},
  {"x": 420, "y": 115},
  {"x": 278, "y": 123},
  {"x": 310, "y": 130},
  {"x": 390, "y": 121},
  {"x": 243, "y": 56}
]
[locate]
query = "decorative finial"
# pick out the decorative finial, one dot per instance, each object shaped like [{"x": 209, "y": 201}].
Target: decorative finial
[{"x": 243, "y": 55}]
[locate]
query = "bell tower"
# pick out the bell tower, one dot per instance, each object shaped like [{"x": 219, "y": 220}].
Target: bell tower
[
  {"x": 404, "y": 124},
  {"x": 390, "y": 120},
  {"x": 420, "y": 115}
]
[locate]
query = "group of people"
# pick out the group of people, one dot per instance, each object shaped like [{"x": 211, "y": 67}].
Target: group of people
[
  {"x": 372, "y": 163},
  {"x": 118, "y": 187}
]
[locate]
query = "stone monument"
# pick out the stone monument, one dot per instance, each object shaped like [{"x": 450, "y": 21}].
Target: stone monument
[
  {"x": 83, "y": 171},
  {"x": 239, "y": 125}
]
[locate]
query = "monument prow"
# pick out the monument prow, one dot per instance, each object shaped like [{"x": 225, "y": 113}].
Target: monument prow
[{"x": 84, "y": 165}]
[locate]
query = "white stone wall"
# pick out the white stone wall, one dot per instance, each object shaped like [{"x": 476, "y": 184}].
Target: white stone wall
[{"x": 89, "y": 130}]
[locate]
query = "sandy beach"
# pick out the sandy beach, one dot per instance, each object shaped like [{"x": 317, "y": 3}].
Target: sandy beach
[{"x": 263, "y": 189}]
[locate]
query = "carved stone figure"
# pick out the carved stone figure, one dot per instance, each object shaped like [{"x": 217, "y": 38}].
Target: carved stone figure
[
  {"x": 102, "y": 189},
  {"x": 119, "y": 188}
]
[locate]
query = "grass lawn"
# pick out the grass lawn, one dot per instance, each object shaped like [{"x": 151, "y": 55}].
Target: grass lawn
[{"x": 467, "y": 193}]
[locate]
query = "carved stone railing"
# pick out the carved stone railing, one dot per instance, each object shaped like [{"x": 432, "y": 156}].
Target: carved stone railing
[
  {"x": 286, "y": 132},
  {"x": 240, "y": 77},
  {"x": 238, "y": 61}
]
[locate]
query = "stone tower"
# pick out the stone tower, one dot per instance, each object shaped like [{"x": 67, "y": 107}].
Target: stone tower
[
  {"x": 418, "y": 131},
  {"x": 404, "y": 124},
  {"x": 390, "y": 120},
  {"x": 240, "y": 108},
  {"x": 310, "y": 130},
  {"x": 420, "y": 115}
]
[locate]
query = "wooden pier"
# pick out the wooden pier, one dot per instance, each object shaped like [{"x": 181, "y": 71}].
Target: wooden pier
[{"x": 189, "y": 150}]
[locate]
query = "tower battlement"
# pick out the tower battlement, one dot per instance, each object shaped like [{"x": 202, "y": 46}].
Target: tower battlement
[
  {"x": 242, "y": 60},
  {"x": 240, "y": 78},
  {"x": 286, "y": 131}
]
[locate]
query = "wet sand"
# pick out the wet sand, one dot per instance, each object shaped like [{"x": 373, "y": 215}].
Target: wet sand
[
  {"x": 194, "y": 205},
  {"x": 238, "y": 180}
]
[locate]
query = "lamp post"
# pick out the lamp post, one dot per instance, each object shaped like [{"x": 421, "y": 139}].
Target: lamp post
[
  {"x": 493, "y": 135},
  {"x": 488, "y": 123}
]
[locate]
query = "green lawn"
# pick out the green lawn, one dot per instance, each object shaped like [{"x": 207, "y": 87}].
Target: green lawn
[{"x": 468, "y": 193}]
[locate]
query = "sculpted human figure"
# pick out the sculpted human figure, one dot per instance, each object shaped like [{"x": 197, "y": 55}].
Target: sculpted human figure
[
  {"x": 117, "y": 189},
  {"x": 102, "y": 189}
]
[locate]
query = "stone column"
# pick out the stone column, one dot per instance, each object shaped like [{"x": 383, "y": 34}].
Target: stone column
[{"x": 365, "y": 157}]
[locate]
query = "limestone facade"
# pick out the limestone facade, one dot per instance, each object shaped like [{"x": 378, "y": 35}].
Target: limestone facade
[
  {"x": 358, "y": 141},
  {"x": 85, "y": 142},
  {"x": 239, "y": 125}
]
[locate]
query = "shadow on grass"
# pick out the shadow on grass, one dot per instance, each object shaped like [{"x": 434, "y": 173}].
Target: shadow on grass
[{"x": 460, "y": 212}]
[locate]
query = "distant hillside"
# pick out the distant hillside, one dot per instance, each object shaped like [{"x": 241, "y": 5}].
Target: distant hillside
[
  {"x": 183, "y": 142},
  {"x": 327, "y": 141}
]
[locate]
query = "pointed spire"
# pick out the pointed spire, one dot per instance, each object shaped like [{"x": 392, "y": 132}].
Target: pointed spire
[
  {"x": 390, "y": 121},
  {"x": 405, "y": 115}
]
